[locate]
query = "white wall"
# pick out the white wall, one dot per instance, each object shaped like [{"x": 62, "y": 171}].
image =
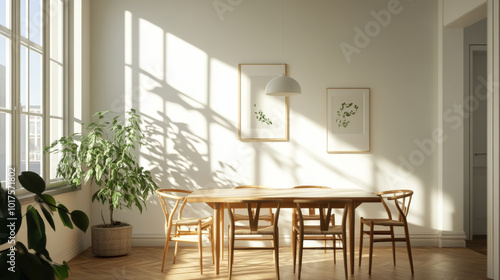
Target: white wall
[{"x": 176, "y": 63}]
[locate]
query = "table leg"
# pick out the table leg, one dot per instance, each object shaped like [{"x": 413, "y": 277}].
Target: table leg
[
  {"x": 221, "y": 222},
  {"x": 351, "y": 235},
  {"x": 217, "y": 231}
]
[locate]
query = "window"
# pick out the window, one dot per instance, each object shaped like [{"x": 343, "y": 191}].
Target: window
[{"x": 32, "y": 84}]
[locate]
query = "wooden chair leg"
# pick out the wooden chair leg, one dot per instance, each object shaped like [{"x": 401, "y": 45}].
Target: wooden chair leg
[
  {"x": 301, "y": 248},
  {"x": 344, "y": 251},
  {"x": 165, "y": 250},
  {"x": 408, "y": 248},
  {"x": 393, "y": 246},
  {"x": 200, "y": 246},
  {"x": 361, "y": 233},
  {"x": 294, "y": 248},
  {"x": 176, "y": 248},
  {"x": 211, "y": 232},
  {"x": 371, "y": 249},
  {"x": 324, "y": 243},
  {"x": 231, "y": 254},
  {"x": 277, "y": 253}
]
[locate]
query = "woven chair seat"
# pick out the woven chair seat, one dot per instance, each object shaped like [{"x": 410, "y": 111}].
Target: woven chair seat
[
  {"x": 311, "y": 230},
  {"x": 193, "y": 221},
  {"x": 241, "y": 217},
  {"x": 382, "y": 222},
  {"x": 245, "y": 230}
]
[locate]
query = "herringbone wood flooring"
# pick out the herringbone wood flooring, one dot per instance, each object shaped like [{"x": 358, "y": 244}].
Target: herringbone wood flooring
[{"x": 144, "y": 263}]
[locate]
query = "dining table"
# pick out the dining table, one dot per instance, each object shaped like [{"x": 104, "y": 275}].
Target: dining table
[{"x": 217, "y": 198}]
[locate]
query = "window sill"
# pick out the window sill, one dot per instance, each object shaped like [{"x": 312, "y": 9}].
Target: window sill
[{"x": 27, "y": 197}]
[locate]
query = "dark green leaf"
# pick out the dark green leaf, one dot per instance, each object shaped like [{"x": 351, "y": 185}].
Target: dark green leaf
[
  {"x": 48, "y": 217},
  {"x": 36, "y": 230},
  {"x": 80, "y": 220},
  {"x": 51, "y": 202},
  {"x": 32, "y": 182},
  {"x": 61, "y": 271},
  {"x": 63, "y": 214},
  {"x": 36, "y": 268}
]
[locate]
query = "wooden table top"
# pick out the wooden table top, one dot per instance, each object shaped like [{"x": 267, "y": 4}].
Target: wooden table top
[{"x": 286, "y": 195}]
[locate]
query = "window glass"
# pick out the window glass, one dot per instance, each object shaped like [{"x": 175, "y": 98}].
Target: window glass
[
  {"x": 56, "y": 30},
  {"x": 5, "y": 73},
  {"x": 35, "y": 82},
  {"x": 24, "y": 143},
  {"x": 5, "y": 147},
  {"x": 24, "y": 18},
  {"x": 24, "y": 78},
  {"x": 35, "y": 144},
  {"x": 56, "y": 132},
  {"x": 5, "y": 13},
  {"x": 35, "y": 21}
]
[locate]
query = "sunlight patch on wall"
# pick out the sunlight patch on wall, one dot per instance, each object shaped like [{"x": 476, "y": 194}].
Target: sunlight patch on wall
[
  {"x": 151, "y": 49},
  {"x": 223, "y": 89},
  {"x": 187, "y": 68}
]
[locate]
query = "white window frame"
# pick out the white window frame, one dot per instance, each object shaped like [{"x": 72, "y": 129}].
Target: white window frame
[{"x": 14, "y": 34}]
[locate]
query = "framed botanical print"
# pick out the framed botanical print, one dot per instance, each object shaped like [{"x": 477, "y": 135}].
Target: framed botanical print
[
  {"x": 261, "y": 117},
  {"x": 348, "y": 120}
]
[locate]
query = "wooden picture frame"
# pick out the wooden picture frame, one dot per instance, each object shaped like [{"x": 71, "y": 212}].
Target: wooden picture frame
[
  {"x": 348, "y": 120},
  {"x": 261, "y": 117}
]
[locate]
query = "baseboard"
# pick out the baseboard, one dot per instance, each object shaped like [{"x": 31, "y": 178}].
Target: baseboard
[
  {"x": 69, "y": 253},
  {"x": 437, "y": 239},
  {"x": 452, "y": 239}
]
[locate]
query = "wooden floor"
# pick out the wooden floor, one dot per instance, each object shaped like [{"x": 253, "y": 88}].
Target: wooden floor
[{"x": 145, "y": 263}]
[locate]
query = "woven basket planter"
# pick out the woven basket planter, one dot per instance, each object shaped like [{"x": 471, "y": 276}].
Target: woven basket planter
[{"x": 111, "y": 241}]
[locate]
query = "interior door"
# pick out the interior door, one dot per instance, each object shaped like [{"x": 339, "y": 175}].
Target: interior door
[{"x": 478, "y": 136}]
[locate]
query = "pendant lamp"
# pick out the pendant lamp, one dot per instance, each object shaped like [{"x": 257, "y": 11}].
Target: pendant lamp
[{"x": 283, "y": 85}]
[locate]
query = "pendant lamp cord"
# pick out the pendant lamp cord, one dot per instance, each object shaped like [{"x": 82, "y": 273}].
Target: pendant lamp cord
[{"x": 282, "y": 34}]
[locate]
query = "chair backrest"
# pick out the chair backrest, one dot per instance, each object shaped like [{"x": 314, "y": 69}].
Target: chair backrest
[
  {"x": 253, "y": 208},
  {"x": 172, "y": 194},
  {"x": 325, "y": 209},
  {"x": 253, "y": 187},
  {"x": 312, "y": 211},
  {"x": 402, "y": 199}
]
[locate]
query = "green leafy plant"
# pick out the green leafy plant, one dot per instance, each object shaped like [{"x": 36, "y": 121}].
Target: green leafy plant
[
  {"x": 34, "y": 262},
  {"x": 344, "y": 113},
  {"x": 262, "y": 117},
  {"x": 106, "y": 156}
]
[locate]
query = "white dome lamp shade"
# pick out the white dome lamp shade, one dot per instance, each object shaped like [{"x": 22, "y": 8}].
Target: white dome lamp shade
[{"x": 283, "y": 86}]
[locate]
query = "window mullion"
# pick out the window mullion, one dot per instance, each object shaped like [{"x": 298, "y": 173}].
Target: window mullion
[
  {"x": 46, "y": 88},
  {"x": 15, "y": 87}
]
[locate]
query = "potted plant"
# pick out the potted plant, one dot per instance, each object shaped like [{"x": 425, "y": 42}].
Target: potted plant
[
  {"x": 106, "y": 156},
  {"x": 33, "y": 262}
]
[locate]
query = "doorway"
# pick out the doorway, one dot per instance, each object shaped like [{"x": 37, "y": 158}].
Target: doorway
[{"x": 477, "y": 107}]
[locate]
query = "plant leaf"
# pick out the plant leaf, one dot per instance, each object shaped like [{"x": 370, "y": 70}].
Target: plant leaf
[
  {"x": 37, "y": 269},
  {"x": 32, "y": 182},
  {"x": 61, "y": 271},
  {"x": 36, "y": 230},
  {"x": 50, "y": 201},
  {"x": 63, "y": 214},
  {"x": 48, "y": 217},
  {"x": 80, "y": 220}
]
